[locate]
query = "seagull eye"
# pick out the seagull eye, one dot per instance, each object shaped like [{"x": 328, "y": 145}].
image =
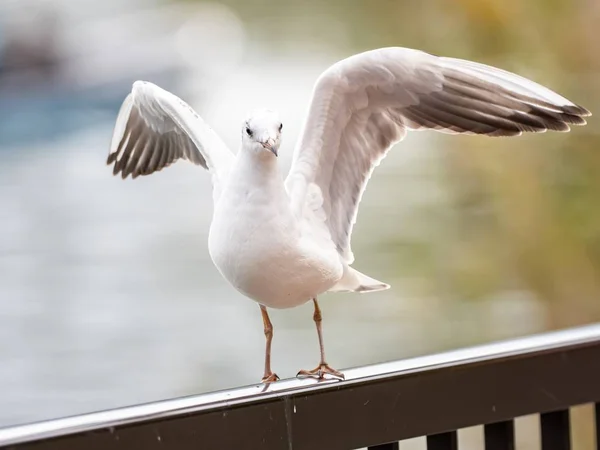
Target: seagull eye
[
  {"x": 248, "y": 131},
  {"x": 280, "y": 127}
]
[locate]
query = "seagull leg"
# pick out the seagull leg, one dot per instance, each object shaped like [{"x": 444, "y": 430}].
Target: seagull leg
[
  {"x": 269, "y": 375},
  {"x": 323, "y": 368}
]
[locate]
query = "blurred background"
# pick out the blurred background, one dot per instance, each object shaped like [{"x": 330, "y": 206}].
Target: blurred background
[{"x": 108, "y": 296}]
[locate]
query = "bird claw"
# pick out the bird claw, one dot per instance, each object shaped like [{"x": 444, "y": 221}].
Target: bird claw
[
  {"x": 320, "y": 371},
  {"x": 270, "y": 378}
]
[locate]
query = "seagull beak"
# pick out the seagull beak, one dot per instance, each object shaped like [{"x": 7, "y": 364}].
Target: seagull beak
[{"x": 270, "y": 145}]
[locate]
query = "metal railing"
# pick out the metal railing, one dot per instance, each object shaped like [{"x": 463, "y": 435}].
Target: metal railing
[{"x": 375, "y": 407}]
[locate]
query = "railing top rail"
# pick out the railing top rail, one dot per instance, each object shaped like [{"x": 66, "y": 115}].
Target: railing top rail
[{"x": 291, "y": 389}]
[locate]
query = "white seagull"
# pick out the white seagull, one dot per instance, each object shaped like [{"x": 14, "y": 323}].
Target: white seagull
[{"x": 284, "y": 241}]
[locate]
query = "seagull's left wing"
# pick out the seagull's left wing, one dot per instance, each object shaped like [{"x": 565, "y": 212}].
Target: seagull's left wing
[{"x": 364, "y": 104}]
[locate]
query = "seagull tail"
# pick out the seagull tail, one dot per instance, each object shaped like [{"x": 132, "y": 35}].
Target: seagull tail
[{"x": 354, "y": 281}]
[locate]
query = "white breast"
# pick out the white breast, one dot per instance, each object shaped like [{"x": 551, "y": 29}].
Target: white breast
[{"x": 260, "y": 249}]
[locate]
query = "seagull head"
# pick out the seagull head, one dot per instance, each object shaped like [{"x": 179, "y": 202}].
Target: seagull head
[{"x": 261, "y": 131}]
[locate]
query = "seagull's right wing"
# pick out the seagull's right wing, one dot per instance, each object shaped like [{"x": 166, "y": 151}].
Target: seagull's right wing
[{"x": 155, "y": 128}]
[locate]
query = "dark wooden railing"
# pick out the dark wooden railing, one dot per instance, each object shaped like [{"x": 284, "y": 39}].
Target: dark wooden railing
[{"x": 376, "y": 407}]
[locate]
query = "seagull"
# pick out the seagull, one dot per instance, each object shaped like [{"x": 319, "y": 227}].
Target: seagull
[{"x": 282, "y": 241}]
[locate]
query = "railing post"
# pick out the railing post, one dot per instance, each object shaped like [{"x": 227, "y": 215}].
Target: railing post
[
  {"x": 443, "y": 441},
  {"x": 556, "y": 430},
  {"x": 598, "y": 426},
  {"x": 388, "y": 446},
  {"x": 500, "y": 435}
]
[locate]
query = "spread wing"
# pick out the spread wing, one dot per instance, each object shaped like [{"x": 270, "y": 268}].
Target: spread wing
[
  {"x": 155, "y": 128},
  {"x": 364, "y": 104}
]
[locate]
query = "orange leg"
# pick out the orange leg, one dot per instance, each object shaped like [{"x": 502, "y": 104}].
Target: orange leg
[
  {"x": 269, "y": 376},
  {"x": 323, "y": 368}
]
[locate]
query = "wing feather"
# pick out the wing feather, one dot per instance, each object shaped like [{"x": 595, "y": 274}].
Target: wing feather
[{"x": 155, "y": 128}]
